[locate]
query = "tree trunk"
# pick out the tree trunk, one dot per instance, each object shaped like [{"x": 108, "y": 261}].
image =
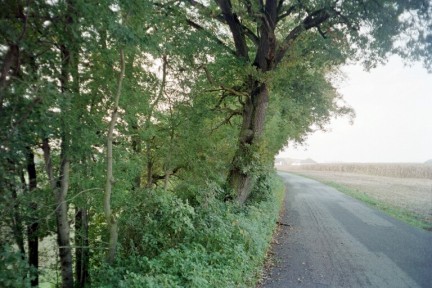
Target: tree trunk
[
  {"x": 33, "y": 227},
  {"x": 109, "y": 216},
  {"x": 10, "y": 60},
  {"x": 60, "y": 185},
  {"x": 17, "y": 225},
  {"x": 82, "y": 248},
  {"x": 240, "y": 177},
  {"x": 148, "y": 122},
  {"x": 63, "y": 238},
  {"x": 149, "y": 183},
  {"x": 136, "y": 147},
  {"x": 60, "y": 189}
]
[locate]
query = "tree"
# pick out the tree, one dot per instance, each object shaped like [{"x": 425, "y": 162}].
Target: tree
[
  {"x": 110, "y": 217},
  {"x": 263, "y": 34}
]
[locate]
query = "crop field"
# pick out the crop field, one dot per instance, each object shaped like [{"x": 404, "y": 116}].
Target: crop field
[
  {"x": 398, "y": 170},
  {"x": 404, "y": 190}
]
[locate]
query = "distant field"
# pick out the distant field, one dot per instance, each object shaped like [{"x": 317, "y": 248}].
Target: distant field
[
  {"x": 402, "y": 170},
  {"x": 402, "y": 190}
]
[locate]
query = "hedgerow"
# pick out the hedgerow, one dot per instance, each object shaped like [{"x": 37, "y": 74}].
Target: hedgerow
[{"x": 165, "y": 242}]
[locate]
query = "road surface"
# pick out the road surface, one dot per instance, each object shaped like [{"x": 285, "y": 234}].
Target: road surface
[{"x": 328, "y": 239}]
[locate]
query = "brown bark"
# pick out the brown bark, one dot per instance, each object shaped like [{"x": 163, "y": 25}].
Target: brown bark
[
  {"x": 235, "y": 28},
  {"x": 254, "y": 111}
]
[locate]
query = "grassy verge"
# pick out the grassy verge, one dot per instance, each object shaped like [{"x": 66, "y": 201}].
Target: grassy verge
[{"x": 403, "y": 215}]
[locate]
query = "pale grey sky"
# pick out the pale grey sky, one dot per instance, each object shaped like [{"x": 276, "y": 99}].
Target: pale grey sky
[{"x": 393, "y": 121}]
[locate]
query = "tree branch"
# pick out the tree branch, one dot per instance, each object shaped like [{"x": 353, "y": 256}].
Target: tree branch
[
  {"x": 251, "y": 35},
  {"x": 286, "y": 13},
  {"x": 157, "y": 177},
  {"x": 312, "y": 20},
  {"x": 210, "y": 35},
  {"x": 235, "y": 28},
  {"x": 345, "y": 20},
  {"x": 227, "y": 120}
]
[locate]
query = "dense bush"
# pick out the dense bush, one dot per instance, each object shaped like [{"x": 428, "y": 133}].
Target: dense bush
[
  {"x": 165, "y": 242},
  {"x": 13, "y": 268}
]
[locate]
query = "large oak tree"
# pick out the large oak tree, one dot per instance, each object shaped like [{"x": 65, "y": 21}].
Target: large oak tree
[{"x": 262, "y": 35}]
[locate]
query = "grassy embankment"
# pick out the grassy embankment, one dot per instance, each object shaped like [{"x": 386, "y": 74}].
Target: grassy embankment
[{"x": 421, "y": 218}]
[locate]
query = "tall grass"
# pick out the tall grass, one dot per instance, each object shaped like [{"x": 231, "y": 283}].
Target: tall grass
[{"x": 399, "y": 170}]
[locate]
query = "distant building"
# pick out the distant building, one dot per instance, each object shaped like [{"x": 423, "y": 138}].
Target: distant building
[
  {"x": 293, "y": 162},
  {"x": 280, "y": 162}
]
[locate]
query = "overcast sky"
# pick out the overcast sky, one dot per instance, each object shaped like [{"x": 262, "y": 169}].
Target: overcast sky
[{"x": 393, "y": 123}]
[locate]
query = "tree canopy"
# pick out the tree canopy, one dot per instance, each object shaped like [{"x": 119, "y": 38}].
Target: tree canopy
[{"x": 155, "y": 110}]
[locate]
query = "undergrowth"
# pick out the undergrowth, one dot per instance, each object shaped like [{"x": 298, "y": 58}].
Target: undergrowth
[{"x": 167, "y": 242}]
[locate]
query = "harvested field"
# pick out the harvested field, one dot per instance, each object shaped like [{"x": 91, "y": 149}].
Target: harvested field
[
  {"x": 399, "y": 170},
  {"x": 412, "y": 195}
]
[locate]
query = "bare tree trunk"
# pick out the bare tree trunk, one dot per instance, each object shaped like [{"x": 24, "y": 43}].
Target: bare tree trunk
[
  {"x": 63, "y": 237},
  {"x": 17, "y": 225},
  {"x": 167, "y": 167},
  {"x": 33, "y": 227},
  {"x": 149, "y": 183},
  {"x": 60, "y": 189},
  {"x": 136, "y": 147},
  {"x": 82, "y": 250},
  {"x": 110, "y": 217},
  {"x": 10, "y": 60}
]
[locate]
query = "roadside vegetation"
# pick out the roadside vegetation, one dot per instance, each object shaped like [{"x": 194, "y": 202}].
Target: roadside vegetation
[
  {"x": 141, "y": 135},
  {"x": 216, "y": 244}
]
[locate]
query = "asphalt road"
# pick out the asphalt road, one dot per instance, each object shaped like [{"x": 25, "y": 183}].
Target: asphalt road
[{"x": 335, "y": 241}]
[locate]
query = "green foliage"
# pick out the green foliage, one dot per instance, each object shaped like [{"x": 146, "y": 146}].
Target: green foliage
[
  {"x": 14, "y": 270},
  {"x": 178, "y": 128},
  {"x": 164, "y": 221},
  {"x": 216, "y": 244}
]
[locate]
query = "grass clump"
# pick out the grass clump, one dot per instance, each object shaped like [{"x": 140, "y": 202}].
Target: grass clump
[{"x": 167, "y": 242}]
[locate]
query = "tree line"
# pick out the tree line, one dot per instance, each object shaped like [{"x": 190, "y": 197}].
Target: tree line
[{"x": 105, "y": 103}]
